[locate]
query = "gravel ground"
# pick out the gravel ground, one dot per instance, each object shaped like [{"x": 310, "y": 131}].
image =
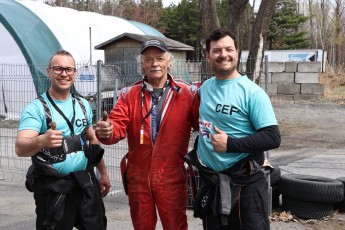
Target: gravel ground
[{"x": 304, "y": 124}]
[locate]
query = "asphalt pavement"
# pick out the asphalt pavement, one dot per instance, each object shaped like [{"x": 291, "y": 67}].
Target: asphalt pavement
[{"x": 17, "y": 209}]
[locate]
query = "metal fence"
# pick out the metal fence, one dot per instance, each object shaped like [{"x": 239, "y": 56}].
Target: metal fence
[{"x": 99, "y": 84}]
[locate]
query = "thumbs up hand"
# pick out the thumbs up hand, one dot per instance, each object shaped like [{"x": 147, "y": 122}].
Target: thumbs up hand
[
  {"x": 53, "y": 125},
  {"x": 104, "y": 127},
  {"x": 219, "y": 140},
  {"x": 52, "y": 138},
  {"x": 104, "y": 116}
]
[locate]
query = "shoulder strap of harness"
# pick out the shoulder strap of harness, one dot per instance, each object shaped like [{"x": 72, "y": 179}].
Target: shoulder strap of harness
[
  {"x": 47, "y": 112},
  {"x": 81, "y": 105},
  {"x": 49, "y": 115},
  {"x": 58, "y": 154}
]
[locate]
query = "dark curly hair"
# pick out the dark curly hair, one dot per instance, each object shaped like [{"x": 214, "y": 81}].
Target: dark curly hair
[{"x": 218, "y": 34}]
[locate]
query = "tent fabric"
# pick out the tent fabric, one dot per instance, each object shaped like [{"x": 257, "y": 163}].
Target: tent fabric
[
  {"x": 148, "y": 30},
  {"x": 29, "y": 31},
  {"x": 79, "y": 31},
  {"x": 31, "y": 35},
  {"x": 39, "y": 30},
  {"x": 32, "y": 31}
]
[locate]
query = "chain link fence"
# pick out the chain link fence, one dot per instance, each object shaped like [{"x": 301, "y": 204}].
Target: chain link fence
[{"x": 100, "y": 84}]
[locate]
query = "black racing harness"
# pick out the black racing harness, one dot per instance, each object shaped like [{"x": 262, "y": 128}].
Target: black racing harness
[
  {"x": 70, "y": 143},
  {"x": 43, "y": 178},
  {"x": 220, "y": 191}
]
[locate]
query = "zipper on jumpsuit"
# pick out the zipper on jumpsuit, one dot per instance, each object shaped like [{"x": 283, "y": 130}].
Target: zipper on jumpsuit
[{"x": 167, "y": 103}]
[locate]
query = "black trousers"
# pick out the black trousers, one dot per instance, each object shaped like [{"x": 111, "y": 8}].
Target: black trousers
[
  {"x": 250, "y": 213},
  {"x": 80, "y": 210}
]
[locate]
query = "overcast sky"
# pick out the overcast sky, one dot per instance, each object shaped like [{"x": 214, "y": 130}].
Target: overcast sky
[{"x": 168, "y": 2}]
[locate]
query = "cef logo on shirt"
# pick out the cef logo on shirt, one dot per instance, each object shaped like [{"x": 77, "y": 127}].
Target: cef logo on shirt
[{"x": 205, "y": 128}]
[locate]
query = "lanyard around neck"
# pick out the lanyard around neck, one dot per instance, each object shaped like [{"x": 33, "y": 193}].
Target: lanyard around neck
[
  {"x": 153, "y": 106},
  {"x": 69, "y": 123},
  {"x": 155, "y": 101}
]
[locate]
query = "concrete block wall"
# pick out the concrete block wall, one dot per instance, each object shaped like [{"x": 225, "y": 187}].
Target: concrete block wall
[{"x": 289, "y": 81}]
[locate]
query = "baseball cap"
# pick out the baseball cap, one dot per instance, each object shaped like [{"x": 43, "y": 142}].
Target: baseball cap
[{"x": 154, "y": 43}]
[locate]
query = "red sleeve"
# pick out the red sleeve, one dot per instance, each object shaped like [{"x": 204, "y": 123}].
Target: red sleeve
[{"x": 119, "y": 117}]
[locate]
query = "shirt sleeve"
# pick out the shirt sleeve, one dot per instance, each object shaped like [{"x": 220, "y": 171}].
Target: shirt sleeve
[
  {"x": 261, "y": 113},
  {"x": 264, "y": 139},
  {"x": 32, "y": 118}
]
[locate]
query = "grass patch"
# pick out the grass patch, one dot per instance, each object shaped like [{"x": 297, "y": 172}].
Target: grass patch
[{"x": 334, "y": 85}]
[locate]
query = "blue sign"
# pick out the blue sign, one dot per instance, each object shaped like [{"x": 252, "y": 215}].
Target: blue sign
[
  {"x": 86, "y": 77},
  {"x": 298, "y": 57}
]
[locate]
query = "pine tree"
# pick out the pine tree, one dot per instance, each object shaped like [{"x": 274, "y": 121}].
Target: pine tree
[
  {"x": 284, "y": 30},
  {"x": 183, "y": 24}
]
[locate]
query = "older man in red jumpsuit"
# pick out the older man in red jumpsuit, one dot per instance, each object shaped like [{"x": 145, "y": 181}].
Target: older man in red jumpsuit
[{"x": 154, "y": 114}]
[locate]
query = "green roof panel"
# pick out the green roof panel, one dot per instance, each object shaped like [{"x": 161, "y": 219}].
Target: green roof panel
[{"x": 33, "y": 37}]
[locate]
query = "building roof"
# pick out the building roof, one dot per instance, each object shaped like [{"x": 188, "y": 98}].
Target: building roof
[{"x": 172, "y": 44}]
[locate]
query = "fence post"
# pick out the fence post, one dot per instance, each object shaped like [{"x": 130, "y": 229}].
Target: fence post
[
  {"x": 99, "y": 99},
  {"x": 116, "y": 86},
  {"x": 267, "y": 152}
]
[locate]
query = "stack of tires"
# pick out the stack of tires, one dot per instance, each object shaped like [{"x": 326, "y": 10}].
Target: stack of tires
[
  {"x": 310, "y": 197},
  {"x": 274, "y": 182},
  {"x": 340, "y": 206},
  {"x": 305, "y": 196}
]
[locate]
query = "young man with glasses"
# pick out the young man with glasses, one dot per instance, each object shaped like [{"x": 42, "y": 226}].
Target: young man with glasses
[
  {"x": 55, "y": 130},
  {"x": 59, "y": 70},
  {"x": 154, "y": 115}
]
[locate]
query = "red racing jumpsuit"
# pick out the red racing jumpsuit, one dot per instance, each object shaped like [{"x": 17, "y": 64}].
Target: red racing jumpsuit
[{"x": 156, "y": 173}]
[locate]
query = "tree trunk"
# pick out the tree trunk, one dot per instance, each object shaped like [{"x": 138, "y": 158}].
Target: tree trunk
[
  {"x": 339, "y": 8},
  {"x": 209, "y": 17},
  {"x": 260, "y": 27},
  {"x": 236, "y": 12},
  {"x": 236, "y": 9},
  {"x": 311, "y": 24},
  {"x": 209, "y": 22}
]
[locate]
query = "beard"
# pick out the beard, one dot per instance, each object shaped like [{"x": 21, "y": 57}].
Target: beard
[{"x": 224, "y": 73}]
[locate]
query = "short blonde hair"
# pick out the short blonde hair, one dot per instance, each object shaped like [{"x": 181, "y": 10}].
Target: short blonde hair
[{"x": 62, "y": 53}]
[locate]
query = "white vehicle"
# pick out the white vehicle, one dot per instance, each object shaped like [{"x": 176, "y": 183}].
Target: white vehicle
[{"x": 88, "y": 86}]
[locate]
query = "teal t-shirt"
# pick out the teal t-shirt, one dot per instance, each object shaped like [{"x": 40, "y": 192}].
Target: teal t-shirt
[
  {"x": 33, "y": 118},
  {"x": 237, "y": 106}
]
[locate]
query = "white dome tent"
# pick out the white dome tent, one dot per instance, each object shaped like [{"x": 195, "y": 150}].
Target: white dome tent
[{"x": 32, "y": 31}]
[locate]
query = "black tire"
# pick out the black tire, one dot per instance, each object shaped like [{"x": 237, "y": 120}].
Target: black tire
[
  {"x": 341, "y": 205},
  {"x": 275, "y": 197},
  {"x": 306, "y": 210},
  {"x": 311, "y": 188},
  {"x": 275, "y": 176}
]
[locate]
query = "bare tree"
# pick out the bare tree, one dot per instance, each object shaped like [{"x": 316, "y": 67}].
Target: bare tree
[
  {"x": 338, "y": 24},
  {"x": 327, "y": 29},
  {"x": 312, "y": 37},
  {"x": 110, "y": 7},
  {"x": 323, "y": 16},
  {"x": 238, "y": 13},
  {"x": 260, "y": 27},
  {"x": 236, "y": 10},
  {"x": 209, "y": 19}
]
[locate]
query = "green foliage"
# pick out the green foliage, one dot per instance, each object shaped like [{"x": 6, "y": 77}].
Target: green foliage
[
  {"x": 223, "y": 9},
  {"x": 183, "y": 23},
  {"x": 284, "y": 30}
]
